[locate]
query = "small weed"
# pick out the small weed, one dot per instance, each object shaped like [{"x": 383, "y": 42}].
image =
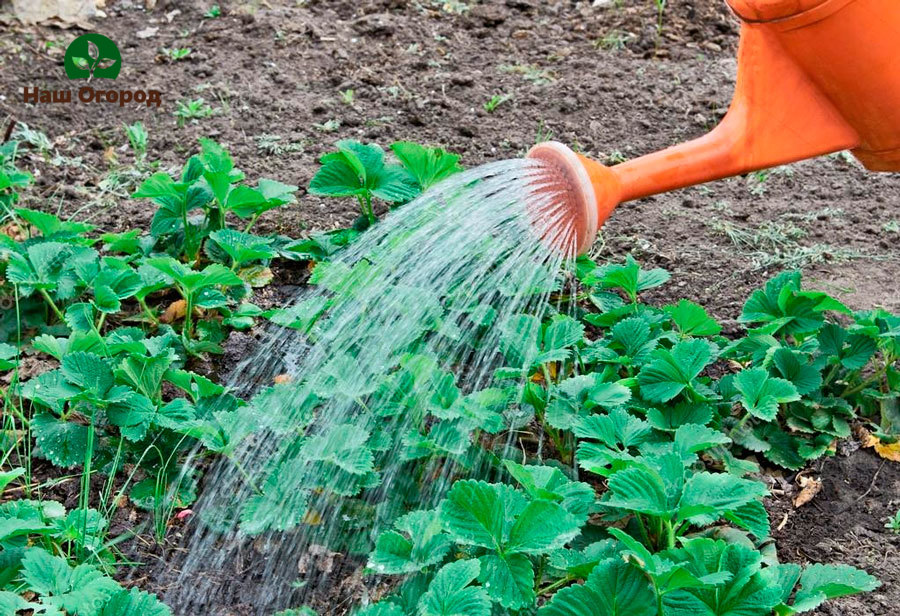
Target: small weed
[
  {"x": 348, "y": 96},
  {"x": 615, "y": 157},
  {"x": 177, "y": 53},
  {"x": 893, "y": 523},
  {"x": 35, "y": 138},
  {"x": 544, "y": 133},
  {"x": 192, "y": 110},
  {"x": 495, "y": 101},
  {"x": 274, "y": 145},
  {"x": 530, "y": 72},
  {"x": 615, "y": 40},
  {"x": 891, "y": 226},
  {"x": 329, "y": 126},
  {"x": 137, "y": 138},
  {"x": 213, "y": 12},
  {"x": 823, "y": 214}
]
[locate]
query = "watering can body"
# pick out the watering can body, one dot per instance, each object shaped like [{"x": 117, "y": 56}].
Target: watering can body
[{"x": 814, "y": 77}]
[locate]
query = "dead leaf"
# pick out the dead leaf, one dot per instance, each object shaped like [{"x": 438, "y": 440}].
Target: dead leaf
[
  {"x": 889, "y": 451},
  {"x": 312, "y": 517},
  {"x": 281, "y": 379},
  {"x": 109, "y": 155},
  {"x": 809, "y": 487},
  {"x": 14, "y": 231},
  {"x": 174, "y": 312}
]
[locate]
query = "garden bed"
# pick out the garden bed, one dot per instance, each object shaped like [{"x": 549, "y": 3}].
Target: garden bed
[{"x": 275, "y": 78}]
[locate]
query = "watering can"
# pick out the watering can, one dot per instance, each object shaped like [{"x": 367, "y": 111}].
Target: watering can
[{"x": 814, "y": 77}]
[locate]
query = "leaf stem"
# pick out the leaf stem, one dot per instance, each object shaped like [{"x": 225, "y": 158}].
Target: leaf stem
[{"x": 52, "y": 304}]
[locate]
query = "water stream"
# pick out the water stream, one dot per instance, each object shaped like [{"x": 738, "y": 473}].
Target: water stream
[{"x": 402, "y": 333}]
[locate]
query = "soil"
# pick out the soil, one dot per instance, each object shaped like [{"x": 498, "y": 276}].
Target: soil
[
  {"x": 844, "y": 523},
  {"x": 597, "y": 75}
]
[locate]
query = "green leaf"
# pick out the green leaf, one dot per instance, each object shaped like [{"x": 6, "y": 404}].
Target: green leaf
[
  {"x": 761, "y": 394},
  {"x": 819, "y": 583},
  {"x": 669, "y": 418},
  {"x": 418, "y": 544},
  {"x": 548, "y": 483},
  {"x": 692, "y": 320},
  {"x": 427, "y": 165},
  {"x": 614, "y": 588},
  {"x": 742, "y": 591},
  {"x": 542, "y": 526},
  {"x": 80, "y": 591},
  {"x": 710, "y": 495},
  {"x": 282, "y": 505},
  {"x": 449, "y": 593},
  {"x": 50, "y": 389},
  {"x": 480, "y": 514},
  {"x": 793, "y": 366},
  {"x": 159, "y": 185},
  {"x": 88, "y": 371},
  {"x": 781, "y": 307},
  {"x": 672, "y": 372},
  {"x": 693, "y": 438},
  {"x": 638, "y": 489},
  {"x": 135, "y": 602},
  {"x": 63, "y": 443},
  {"x": 508, "y": 580},
  {"x": 243, "y": 247},
  {"x": 6, "y": 477}
]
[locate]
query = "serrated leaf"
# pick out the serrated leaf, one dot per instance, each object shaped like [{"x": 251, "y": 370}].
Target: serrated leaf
[
  {"x": 710, "y": 495},
  {"x": 427, "y": 165},
  {"x": 418, "y": 544},
  {"x": 671, "y": 372},
  {"x": 63, "y": 443},
  {"x": 80, "y": 591},
  {"x": 818, "y": 583},
  {"x": 614, "y": 588},
  {"x": 508, "y": 580},
  {"x": 450, "y": 593},
  {"x": 692, "y": 320},
  {"x": 481, "y": 514},
  {"x": 761, "y": 394},
  {"x": 135, "y": 602}
]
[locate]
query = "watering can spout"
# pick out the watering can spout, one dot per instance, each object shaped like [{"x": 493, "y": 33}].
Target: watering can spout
[{"x": 814, "y": 77}]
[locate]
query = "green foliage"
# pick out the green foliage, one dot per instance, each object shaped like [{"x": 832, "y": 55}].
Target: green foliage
[
  {"x": 82, "y": 590},
  {"x": 648, "y": 412},
  {"x": 359, "y": 170}
]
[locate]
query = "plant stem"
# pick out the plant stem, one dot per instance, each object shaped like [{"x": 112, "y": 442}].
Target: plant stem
[
  {"x": 644, "y": 534},
  {"x": 557, "y": 584},
  {"x": 250, "y": 224},
  {"x": 670, "y": 534},
  {"x": 143, "y": 304},
  {"x": 52, "y": 304}
]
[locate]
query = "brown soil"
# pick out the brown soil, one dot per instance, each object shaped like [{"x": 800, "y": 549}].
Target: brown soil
[
  {"x": 273, "y": 71},
  {"x": 844, "y": 523}
]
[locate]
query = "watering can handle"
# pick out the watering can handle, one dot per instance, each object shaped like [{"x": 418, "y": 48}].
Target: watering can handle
[{"x": 778, "y": 115}]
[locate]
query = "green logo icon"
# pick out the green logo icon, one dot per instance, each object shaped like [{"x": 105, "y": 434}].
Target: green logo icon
[{"x": 92, "y": 55}]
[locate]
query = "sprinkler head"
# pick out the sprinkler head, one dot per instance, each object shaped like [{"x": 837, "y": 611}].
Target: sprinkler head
[{"x": 582, "y": 195}]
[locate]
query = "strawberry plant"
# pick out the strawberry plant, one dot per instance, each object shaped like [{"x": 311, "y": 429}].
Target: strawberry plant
[
  {"x": 358, "y": 170},
  {"x": 601, "y": 465}
]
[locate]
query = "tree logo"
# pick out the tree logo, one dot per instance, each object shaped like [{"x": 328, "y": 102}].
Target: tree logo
[{"x": 92, "y": 55}]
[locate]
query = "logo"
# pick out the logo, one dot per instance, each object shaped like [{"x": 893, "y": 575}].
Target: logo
[{"x": 92, "y": 55}]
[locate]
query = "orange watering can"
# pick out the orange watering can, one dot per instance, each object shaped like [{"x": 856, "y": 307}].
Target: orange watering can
[{"x": 814, "y": 77}]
